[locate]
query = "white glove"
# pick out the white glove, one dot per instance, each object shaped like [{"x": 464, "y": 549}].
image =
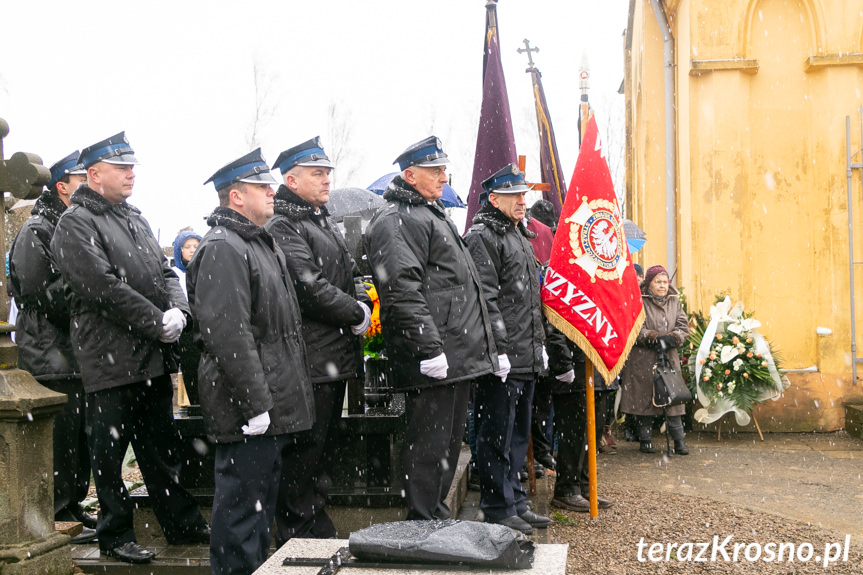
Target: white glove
[
  {"x": 544, "y": 358},
  {"x": 257, "y": 425},
  {"x": 505, "y": 366},
  {"x": 435, "y": 367},
  {"x": 363, "y": 326},
  {"x": 566, "y": 377},
  {"x": 173, "y": 322}
]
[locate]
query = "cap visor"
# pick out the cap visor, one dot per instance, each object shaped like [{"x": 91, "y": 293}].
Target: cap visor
[
  {"x": 434, "y": 162},
  {"x": 262, "y": 178},
  {"x": 122, "y": 160},
  {"x": 321, "y": 163},
  {"x": 513, "y": 190}
]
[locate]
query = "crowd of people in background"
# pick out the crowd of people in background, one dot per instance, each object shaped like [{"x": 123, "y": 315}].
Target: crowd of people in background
[{"x": 264, "y": 317}]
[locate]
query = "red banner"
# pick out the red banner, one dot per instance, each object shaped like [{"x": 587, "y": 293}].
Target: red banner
[{"x": 590, "y": 292}]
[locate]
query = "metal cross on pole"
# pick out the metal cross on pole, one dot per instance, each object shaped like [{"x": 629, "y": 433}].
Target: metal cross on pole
[{"x": 528, "y": 49}]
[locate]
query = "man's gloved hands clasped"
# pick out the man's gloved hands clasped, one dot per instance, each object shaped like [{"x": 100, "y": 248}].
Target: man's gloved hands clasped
[
  {"x": 435, "y": 368},
  {"x": 173, "y": 322},
  {"x": 363, "y": 326},
  {"x": 567, "y": 377},
  {"x": 505, "y": 366},
  {"x": 257, "y": 425}
]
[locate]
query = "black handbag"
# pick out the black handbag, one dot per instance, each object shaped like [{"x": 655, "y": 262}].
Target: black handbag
[{"x": 668, "y": 385}]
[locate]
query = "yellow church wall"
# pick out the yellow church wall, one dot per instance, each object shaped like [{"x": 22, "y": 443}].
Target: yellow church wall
[{"x": 762, "y": 91}]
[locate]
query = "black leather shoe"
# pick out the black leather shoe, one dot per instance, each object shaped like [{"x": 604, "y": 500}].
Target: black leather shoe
[
  {"x": 473, "y": 480},
  {"x": 572, "y": 503},
  {"x": 86, "y": 519},
  {"x": 535, "y": 519},
  {"x": 680, "y": 448},
  {"x": 647, "y": 447},
  {"x": 517, "y": 523},
  {"x": 548, "y": 461},
  {"x": 601, "y": 502},
  {"x": 87, "y": 535},
  {"x": 196, "y": 536},
  {"x": 130, "y": 552}
]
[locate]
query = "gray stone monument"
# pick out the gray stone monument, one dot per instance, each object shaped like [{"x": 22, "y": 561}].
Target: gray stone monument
[{"x": 29, "y": 545}]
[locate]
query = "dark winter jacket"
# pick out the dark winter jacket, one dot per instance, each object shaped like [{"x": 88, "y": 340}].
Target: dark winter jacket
[
  {"x": 666, "y": 317},
  {"x": 324, "y": 276},
  {"x": 42, "y": 328},
  {"x": 120, "y": 285},
  {"x": 430, "y": 291},
  {"x": 247, "y": 322},
  {"x": 510, "y": 278},
  {"x": 565, "y": 355}
]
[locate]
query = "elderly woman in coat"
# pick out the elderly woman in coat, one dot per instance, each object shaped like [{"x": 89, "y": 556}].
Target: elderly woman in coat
[{"x": 664, "y": 322}]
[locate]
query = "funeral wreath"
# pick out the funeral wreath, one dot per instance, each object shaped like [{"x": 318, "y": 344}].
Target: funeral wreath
[{"x": 734, "y": 367}]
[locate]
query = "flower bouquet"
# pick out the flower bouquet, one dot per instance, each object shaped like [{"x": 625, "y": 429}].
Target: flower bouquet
[
  {"x": 734, "y": 367},
  {"x": 373, "y": 341}
]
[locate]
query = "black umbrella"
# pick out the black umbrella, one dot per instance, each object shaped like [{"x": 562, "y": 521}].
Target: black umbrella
[{"x": 353, "y": 202}]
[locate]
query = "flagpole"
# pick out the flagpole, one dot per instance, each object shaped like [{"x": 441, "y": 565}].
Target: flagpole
[{"x": 583, "y": 114}]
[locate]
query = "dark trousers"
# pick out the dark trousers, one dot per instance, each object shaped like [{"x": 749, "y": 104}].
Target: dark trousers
[
  {"x": 433, "y": 435},
  {"x": 247, "y": 483},
  {"x": 190, "y": 357},
  {"x": 601, "y": 400},
  {"x": 71, "y": 454},
  {"x": 542, "y": 423},
  {"x": 305, "y": 470},
  {"x": 140, "y": 413},
  {"x": 503, "y": 411},
  {"x": 570, "y": 426}
]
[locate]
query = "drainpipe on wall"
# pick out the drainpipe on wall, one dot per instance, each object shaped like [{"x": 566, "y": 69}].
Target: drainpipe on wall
[{"x": 670, "y": 141}]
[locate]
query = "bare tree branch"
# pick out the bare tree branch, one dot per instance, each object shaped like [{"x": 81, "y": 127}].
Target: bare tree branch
[
  {"x": 340, "y": 127},
  {"x": 265, "y": 107}
]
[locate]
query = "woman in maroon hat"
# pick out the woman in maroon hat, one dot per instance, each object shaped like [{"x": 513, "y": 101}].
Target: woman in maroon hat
[{"x": 664, "y": 322}]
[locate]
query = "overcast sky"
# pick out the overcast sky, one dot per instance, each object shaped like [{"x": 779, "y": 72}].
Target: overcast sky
[{"x": 179, "y": 78}]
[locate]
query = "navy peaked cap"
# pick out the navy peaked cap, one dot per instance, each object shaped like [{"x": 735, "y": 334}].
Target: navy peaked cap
[
  {"x": 507, "y": 180},
  {"x": 249, "y": 169},
  {"x": 425, "y": 153},
  {"x": 113, "y": 150},
  {"x": 67, "y": 166},
  {"x": 309, "y": 153}
]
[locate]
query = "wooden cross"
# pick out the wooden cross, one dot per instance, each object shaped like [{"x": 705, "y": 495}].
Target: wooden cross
[
  {"x": 528, "y": 49},
  {"x": 522, "y": 160}
]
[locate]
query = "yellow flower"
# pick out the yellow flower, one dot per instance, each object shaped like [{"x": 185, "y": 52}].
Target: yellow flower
[{"x": 746, "y": 375}]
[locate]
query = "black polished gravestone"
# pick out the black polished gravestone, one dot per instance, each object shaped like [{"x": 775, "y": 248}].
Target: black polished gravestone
[{"x": 366, "y": 467}]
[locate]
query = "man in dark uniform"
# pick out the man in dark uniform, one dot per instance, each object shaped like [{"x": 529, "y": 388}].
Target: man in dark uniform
[
  {"x": 253, "y": 376},
  {"x": 572, "y": 486},
  {"x": 44, "y": 345},
  {"x": 434, "y": 320},
  {"x": 325, "y": 278},
  {"x": 127, "y": 310},
  {"x": 498, "y": 242}
]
